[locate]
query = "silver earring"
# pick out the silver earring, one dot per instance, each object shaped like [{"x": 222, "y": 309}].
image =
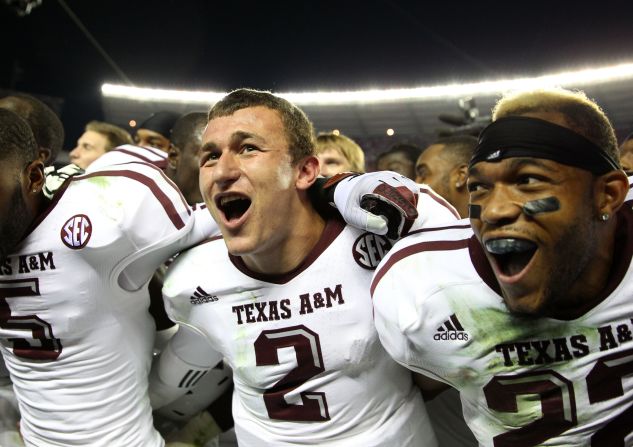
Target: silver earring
[{"x": 604, "y": 217}]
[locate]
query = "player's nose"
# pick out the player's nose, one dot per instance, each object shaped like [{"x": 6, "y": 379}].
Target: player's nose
[
  {"x": 500, "y": 207},
  {"x": 227, "y": 168},
  {"x": 74, "y": 153}
]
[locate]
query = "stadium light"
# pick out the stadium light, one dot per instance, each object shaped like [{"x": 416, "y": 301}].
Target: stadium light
[{"x": 578, "y": 78}]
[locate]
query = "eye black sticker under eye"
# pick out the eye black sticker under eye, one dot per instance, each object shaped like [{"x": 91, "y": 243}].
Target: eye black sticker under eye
[
  {"x": 531, "y": 208},
  {"x": 538, "y": 206}
]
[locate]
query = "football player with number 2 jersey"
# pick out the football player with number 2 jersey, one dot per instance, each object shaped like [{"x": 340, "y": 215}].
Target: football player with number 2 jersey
[
  {"x": 284, "y": 298},
  {"x": 528, "y": 314}
]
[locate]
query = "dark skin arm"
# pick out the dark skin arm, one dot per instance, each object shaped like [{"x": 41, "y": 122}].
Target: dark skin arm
[
  {"x": 221, "y": 410},
  {"x": 430, "y": 388},
  {"x": 156, "y": 304}
]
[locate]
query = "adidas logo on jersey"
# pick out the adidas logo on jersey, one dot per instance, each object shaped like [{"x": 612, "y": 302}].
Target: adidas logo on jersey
[
  {"x": 201, "y": 297},
  {"x": 451, "y": 329}
]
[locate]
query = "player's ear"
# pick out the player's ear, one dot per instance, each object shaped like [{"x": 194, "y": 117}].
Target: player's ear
[
  {"x": 173, "y": 156},
  {"x": 44, "y": 154},
  {"x": 308, "y": 171},
  {"x": 610, "y": 192},
  {"x": 34, "y": 177},
  {"x": 459, "y": 176}
]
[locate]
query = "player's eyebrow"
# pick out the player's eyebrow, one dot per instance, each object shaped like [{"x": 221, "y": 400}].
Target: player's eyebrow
[
  {"x": 240, "y": 135},
  {"x": 236, "y": 137},
  {"x": 209, "y": 146},
  {"x": 518, "y": 163}
]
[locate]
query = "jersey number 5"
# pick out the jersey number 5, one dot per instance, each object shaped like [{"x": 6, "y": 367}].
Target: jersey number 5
[
  {"x": 309, "y": 363},
  {"x": 558, "y": 403},
  {"x": 44, "y": 345}
]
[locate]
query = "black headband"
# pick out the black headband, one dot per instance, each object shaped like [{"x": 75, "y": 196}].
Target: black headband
[{"x": 522, "y": 136}]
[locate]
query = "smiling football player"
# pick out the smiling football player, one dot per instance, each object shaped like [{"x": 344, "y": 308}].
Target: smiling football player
[{"x": 526, "y": 309}]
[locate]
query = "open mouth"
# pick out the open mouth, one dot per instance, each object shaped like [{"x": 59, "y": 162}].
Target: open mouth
[
  {"x": 511, "y": 255},
  {"x": 233, "y": 206}
]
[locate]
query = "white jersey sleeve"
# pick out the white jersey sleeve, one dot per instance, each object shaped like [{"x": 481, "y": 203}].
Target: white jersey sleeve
[
  {"x": 154, "y": 215},
  {"x": 400, "y": 316},
  {"x": 433, "y": 210},
  {"x": 129, "y": 153}
]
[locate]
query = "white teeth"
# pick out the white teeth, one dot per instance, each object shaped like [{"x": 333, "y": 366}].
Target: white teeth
[{"x": 226, "y": 199}]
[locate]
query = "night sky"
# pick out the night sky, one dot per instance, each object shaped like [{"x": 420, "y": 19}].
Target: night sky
[{"x": 301, "y": 45}]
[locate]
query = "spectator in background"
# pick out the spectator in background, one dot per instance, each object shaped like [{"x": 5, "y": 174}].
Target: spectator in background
[
  {"x": 155, "y": 131},
  {"x": 444, "y": 167},
  {"x": 98, "y": 138},
  {"x": 626, "y": 154},
  {"x": 46, "y": 125},
  {"x": 401, "y": 158},
  {"x": 184, "y": 155},
  {"x": 338, "y": 153}
]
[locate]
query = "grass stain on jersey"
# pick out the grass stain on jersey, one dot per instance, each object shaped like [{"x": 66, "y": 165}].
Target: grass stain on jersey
[
  {"x": 471, "y": 366},
  {"x": 490, "y": 327},
  {"x": 243, "y": 347},
  {"x": 100, "y": 182}
]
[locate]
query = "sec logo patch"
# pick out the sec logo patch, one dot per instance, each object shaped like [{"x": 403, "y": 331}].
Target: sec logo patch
[
  {"x": 76, "y": 232},
  {"x": 369, "y": 249}
]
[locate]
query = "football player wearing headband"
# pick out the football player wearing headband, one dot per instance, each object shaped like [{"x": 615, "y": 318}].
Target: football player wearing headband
[{"x": 526, "y": 309}]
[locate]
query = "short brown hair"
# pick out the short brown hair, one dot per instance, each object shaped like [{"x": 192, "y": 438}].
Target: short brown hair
[
  {"x": 582, "y": 114},
  {"x": 115, "y": 135},
  {"x": 299, "y": 130},
  {"x": 352, "y": 152}
]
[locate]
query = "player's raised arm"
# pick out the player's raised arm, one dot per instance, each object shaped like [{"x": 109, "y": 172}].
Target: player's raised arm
[
  {"x": 386, "y": 202},
  {"x": 380, "y": 202},
  {"x": 151, "y": 212}
]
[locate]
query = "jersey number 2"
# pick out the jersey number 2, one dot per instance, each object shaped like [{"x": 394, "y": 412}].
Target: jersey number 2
[
  {"x": 46, "y": 346},
  {"x": 604, "y": 382},
  {"x": 309, "y": 363}
]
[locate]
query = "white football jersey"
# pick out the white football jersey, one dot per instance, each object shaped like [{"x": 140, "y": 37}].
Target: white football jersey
[
  {"x": 308, "y": 365},
  {"x": 128, "y": 153},
  {"x": 433, "y": 208},
  {"x": 75, "y": 331},
  {"x": 523, "y": 381}
]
